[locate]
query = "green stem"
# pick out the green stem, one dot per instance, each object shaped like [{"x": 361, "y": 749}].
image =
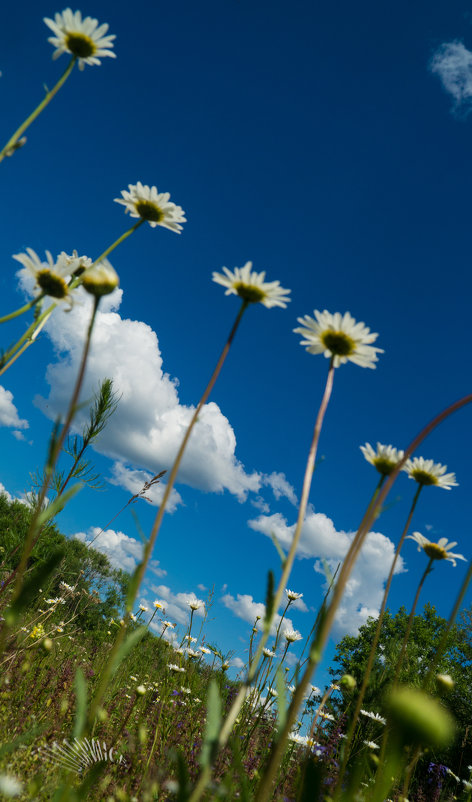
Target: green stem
[
  {"x": 373, "y": 649},
  {"x": 401, "y": 657},
  {"x": 116, "y": 243},
  {"x": 22, "y": 309},
  {"x": 238, "y": 702},
  {"x": 37, "y": 111}
]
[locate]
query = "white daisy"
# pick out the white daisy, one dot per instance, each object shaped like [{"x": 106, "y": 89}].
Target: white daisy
[
  {"x": 371, "y": 744},
  {"x": 291, "y": 635},
  {"x": 373, "y": 716},
  {"x": 385, "y": 459},
  {"x": 340, "y": 337},
  {"x": 147, "y": 203},
  {"x": 292, "y": 596},
  {"x": 251, "y": 287},
  {"x": 175, "y": 668},
  {"x": 436, "y": 551},
  {"x": 195, "y": 604},
  {"x": 268, "y": 653},
  {"x": 50, "y": 276},
  {"x": 80, "y": 37},
  {"x": 427, "y": 472}
]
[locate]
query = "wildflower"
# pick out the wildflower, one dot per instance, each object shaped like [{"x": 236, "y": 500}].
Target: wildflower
[
  {"x": 135, "y": 679},
  {"x": 192, "y": 653},
  {"x": 59, "y": 629},
  {"x": 204, "y": 650},
  {"x": 326, "y": 716},
  {"x": 436, "y": 551},
  {"x": 445, "y": 682},
  {"x": 385, "y": 459},
  {"x": 251, "y": 287},
  {"x": 272, "y": 692},
  {"x": 371, "y": 744},
  {"x": 179, "y": 651},
  {"x": 292, "y": 596},
  {"x": 467, "y": 785},
  {"x": 37, "y": 631},
  {"x": 224, "y": 665},
  {"x": 101, "y": 279},
  {"x": 10, "y": 786},
  {"x": 80, "y": 37},
  {"x": 185, "y": 690},
  {"x": 316, "y": 691},
  {"x": 147, "y": 203},
  {"x": 427, "y": 472},
  {"x": 158, "y": 605},
  {"x": 50, "y": 276},
  {"x": 373, "y": 716},
  {"x": 292, "y": 688},
  {"x": 65, "y": 586},
  {"x": 141, "y": 690},
  {"x": 291, "y": 635},
  {"x": 339, "y": 337},
  {"x": 418, "y": 718},
  {"x": 76, "y": 263},
  {"x": 175, "y": 668},
  {"x": 166, "y": 624},
  {"x": 195, "y": 604},
  {"x": 268, "y": 653},
  {"x": 190, "y": 639},
  {"x": 143, "y": 608}
]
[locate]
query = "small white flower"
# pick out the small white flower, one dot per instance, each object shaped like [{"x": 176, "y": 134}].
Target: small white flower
[
  {"x": 147, "y": 203},
  {"x": 185, "y": 690},
  {"x": 251, "y": 287},
  {"x": 157, "y": 605},
  {"x": 141, "y": 690},
  {"x": 339, "y": 337},
  {"x": 175, "y": 668},
  {"x": 326, "y": 716},
  {"x": 192, "y": 653},
  {"x": 204, "y": 650},
  {"x": 101, "y": 279},
  {"x": 80, "y": 37},
  {"x": 143, "y": 608},
  {"x": 427, "y": 472},
  {"x": 268, "y": 653},
  {"x": 195, "y": 604},
  {"x": 315, "y": 691},
  {"x": 436, "y": 551},
  {"x": 373, "y": 716},
  {"x": 292, "y": 596},
  {"x": 371, "y": 744},
  {"x": 179, "y": 651},
  {"x": 292, "y": 688},
  {"x": 385, "y": 459},
  {"x": 291, "y": 635},
  {"x": 166, "y": 624},
  {"x": 272, "y": 692},
  {"x": 190, "y": 639},
  {"x": 50, "y": 276},
  {"x": 10, "y": 786}
]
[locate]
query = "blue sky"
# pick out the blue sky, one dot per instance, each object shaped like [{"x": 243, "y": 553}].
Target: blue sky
[{"x": 319, "y": 143}]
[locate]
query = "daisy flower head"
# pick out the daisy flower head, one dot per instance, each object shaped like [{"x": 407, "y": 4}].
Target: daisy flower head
[
  {"x": 51, "y": 277},
  {"x": 385, "y": 459},
  {"x": 268, "y": 653},
  {"x": 195, "y": 604},
  {"x": 147, "y": 203},
  {"x": 291, "y": 635},
  {"x": 436, "y": 551},
  {"x": 427, "y": 472},
  {"x": 292, "y": 596},
  {"x": 83, "y": 38},
  {"x": 251, "y": 287},
  {"x": 339, "y": 337}
]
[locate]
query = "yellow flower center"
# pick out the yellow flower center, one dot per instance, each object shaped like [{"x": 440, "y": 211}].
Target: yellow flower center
[
  {"x": 51, "y": 283},
  {"x": 149, "y": 211},
  {"x": 435, "y": 552},
  {"x": 423, "y": 477},
  {"x": 384, "y": 465},
  {"x": 338, "y": 343},
  {"x": 80, "y": 45},
  {"x": 249, "y": 293}
]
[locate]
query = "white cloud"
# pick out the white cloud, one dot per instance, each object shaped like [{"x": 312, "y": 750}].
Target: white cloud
[
  {"x": 260, "y": 504},
  {"x": 8, "y": 412},
  {"x": 123, "y": 551},
  {"x": 154, "y": 566},
  {"x": 452, "y": 62},
  {"x": 134, "y": 480},
  {"x": 246, "y": 608},
  {"x": 320, "y": 540},
  {"x": 236, "y": 662},
  {"x": 5, "y": 492},
  {"x": 149, "y": 424},
  {"x": 177, "y": 604},
  {"x": 281, "y": 488}
]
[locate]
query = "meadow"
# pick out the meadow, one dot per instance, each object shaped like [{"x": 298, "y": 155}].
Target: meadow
[{"x": 104, "y": 698}]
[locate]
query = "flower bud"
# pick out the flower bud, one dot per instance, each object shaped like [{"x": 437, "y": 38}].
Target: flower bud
[
  {"x": 347, "y": 682},
  {"x": 419, "y": 719},
  {"x": 100, "y": 279},
  {"x": 444, "y": 682}
]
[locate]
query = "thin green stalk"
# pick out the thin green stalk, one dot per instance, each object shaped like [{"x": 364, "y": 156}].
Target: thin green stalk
[
  {"x": 57, "y": 448},
  {"x": 10, "y": 146},
  {"x": 22, "y": 309},
  {"x": 238, "y": 702},
  {"x": 370, "y": 661},
  {"x": 326, "y": 623},
  {"x": 401, "y": 657}
]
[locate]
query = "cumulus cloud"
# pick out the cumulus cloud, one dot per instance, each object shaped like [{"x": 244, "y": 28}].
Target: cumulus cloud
[
  {"x": 150, "y": 422},
  {"x": 321, "y": 540},
  {"x": 4, "y": 491},
  {"x": 236, "y": 662},
  {"x": 8, "y": 411},
  {"x": 452, "y": 62},
  {"x": 134, "y": 481},
  {"x": 177, "y": 604},
  {"x": 244, "y": 606},
  {"x": 281, "y": 488},
  {"x": 123, "y": 551}
]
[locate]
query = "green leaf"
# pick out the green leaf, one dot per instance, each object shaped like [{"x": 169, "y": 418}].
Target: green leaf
[
  {"x": 213, "y": 725},
  {"x": 131, "y": 641},
  {"x": 269, "y": 606},
  {"x": 132, "y": 589},
  {"x": 279, "y": 549},
  {"x": 30, "y": 589},
  {"x": 57, "y": 505},
  {"x": 81, "y": 702},
  {"x": 182, "y": 777}
]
